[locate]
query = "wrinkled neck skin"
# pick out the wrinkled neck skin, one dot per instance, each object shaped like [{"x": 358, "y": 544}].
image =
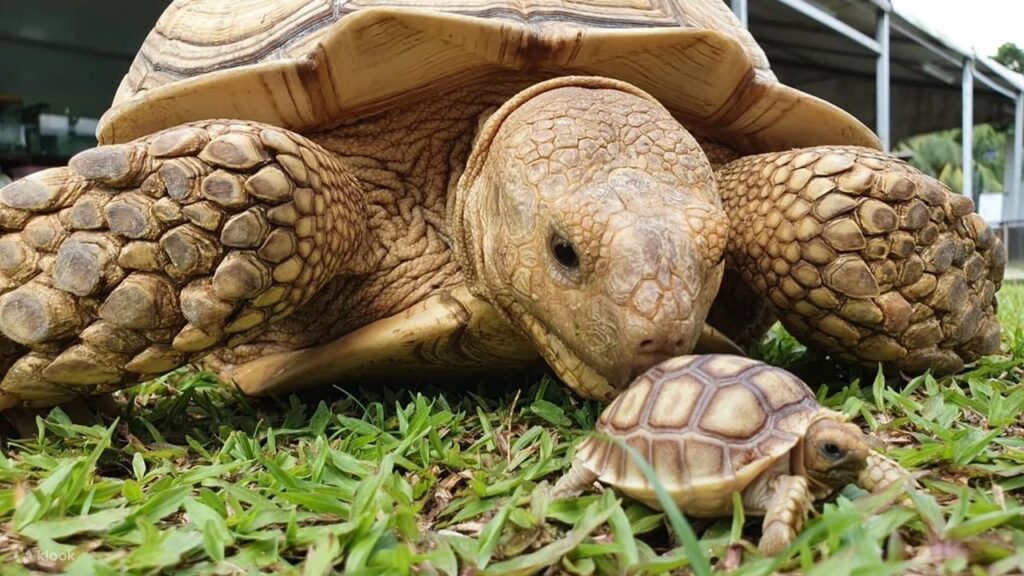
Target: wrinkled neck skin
[{"x": 589, "y": 218}]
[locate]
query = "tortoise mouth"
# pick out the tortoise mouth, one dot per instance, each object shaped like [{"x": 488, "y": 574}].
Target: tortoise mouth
[{"x": 569, "y": 366}]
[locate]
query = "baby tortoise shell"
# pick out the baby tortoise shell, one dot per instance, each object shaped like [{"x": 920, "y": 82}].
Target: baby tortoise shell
[{"x": 682, "y": 418}]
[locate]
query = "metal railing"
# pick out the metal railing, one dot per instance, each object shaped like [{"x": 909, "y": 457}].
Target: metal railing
[{"x": 974, "y": 70}]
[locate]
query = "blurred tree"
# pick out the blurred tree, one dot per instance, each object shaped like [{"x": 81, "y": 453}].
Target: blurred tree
[
  {"x": 938, "y": 154},
  {"x": 1011, "y": 56}
]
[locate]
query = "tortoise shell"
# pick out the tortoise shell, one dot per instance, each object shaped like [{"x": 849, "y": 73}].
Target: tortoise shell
[
  {"x": 708, "y": 426},
  {"x": 311, "y": 64}
]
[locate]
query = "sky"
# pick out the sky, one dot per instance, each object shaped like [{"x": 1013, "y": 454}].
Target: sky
[{"x": 983, "y": 24}]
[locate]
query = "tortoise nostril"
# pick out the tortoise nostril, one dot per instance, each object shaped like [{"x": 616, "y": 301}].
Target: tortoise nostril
[{"x": 660, "y": 346}]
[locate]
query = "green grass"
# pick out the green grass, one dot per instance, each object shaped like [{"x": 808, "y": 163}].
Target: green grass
[
  {"x": 193, "y": 478},
  {"x": 1015, "y": 270}
]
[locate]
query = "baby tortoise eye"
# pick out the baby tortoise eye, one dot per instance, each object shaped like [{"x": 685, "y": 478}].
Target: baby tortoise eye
[
  {"x": 564, "y": 253},
  {"x": 831, "y": 451}
]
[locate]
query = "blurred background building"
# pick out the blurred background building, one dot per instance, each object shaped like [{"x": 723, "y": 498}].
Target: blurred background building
[{"x": 923, "y": 93}]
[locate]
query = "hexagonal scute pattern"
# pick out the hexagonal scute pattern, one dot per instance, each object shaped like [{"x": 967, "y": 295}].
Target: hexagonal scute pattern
[
  {"x": 682, "y": 417},
  {"x": 864, "y": 257},
  {"x": 139, "y": 257}
]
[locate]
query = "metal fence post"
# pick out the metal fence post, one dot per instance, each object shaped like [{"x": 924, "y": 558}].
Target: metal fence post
[
  {"x": 1016, "y": 191},
  {"x": 882, "y": 80},
  {"x": 967, "y": 131},
  {"x": 739, "y": 7}
]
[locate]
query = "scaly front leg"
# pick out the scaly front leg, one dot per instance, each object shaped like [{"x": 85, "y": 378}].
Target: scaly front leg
[
  {"x": 785, "y": 513},
  {"x": 140, "y": 257},
  {"x": 865, "y": 257},
  {"x": 881, "y": 473}
]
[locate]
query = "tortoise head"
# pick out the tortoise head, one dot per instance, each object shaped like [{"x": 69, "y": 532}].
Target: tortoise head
[
  {"x": 590, "y": 218},
  {"x": 834, "y": 453}
]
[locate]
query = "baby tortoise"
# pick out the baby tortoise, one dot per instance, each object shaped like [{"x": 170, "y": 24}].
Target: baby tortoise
[{"x": 717, "y": 424}]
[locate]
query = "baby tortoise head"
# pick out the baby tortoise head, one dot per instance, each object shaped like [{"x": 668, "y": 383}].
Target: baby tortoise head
[
  {"x": 834, "y": 453},
  {"x": 589, "y": 217}
]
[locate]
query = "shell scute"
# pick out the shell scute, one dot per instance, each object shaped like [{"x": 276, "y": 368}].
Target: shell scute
[
  {"x": 677, "y": 399},
  {"x": 795, "y": 421},
  {"x": 615, "y": 464},
  {"x": 722, "y": 367},
  {"x": 705, "y": 459},
  {"x": 779, "y": 388},
  {"x": 774, "y": 444},
  {"x": 720, "y": 417},
  {"x": 667, "y": 458},
  {"x": 630, "y": 406},
  {"x": 678, "y": 363},
  {"x": 740, "y": 456},
  {"x": 632, "y": 474}
]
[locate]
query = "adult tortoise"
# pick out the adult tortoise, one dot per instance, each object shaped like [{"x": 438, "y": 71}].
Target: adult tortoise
[
  {"x": 311, "y": 191},
  {"x": 784, "y": 453}
]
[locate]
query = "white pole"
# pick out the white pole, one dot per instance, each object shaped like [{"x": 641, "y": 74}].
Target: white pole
[
  {"x": 1017, "y": 171},
  {"x": 740, "y": 8},
  {"x": 967, "y": 157},
  {"x": 882, "y": 80}
]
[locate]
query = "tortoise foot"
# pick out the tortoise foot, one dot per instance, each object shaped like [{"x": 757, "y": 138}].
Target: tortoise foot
[
  {"x": 865, "y": 257},
  {"x": 138, "y": 257}
]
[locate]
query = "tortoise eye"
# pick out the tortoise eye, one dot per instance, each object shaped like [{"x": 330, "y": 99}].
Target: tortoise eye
[
  {"x": 564, "y": 253},
  {"x": 831, "y": 451}
]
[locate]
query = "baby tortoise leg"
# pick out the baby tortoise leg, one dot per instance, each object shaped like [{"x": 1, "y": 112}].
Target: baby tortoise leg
[
  {"x": 881, "y": 473},
  {"x": 865, "y": 257},
  {"x": 139, "y": 257},
  {"x": 576, "y": 480},
  {"x": 786, "y": 511}
]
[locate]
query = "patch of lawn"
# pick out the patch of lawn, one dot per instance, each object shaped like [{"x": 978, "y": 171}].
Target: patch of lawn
[{"x": 194, "y": 479}]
